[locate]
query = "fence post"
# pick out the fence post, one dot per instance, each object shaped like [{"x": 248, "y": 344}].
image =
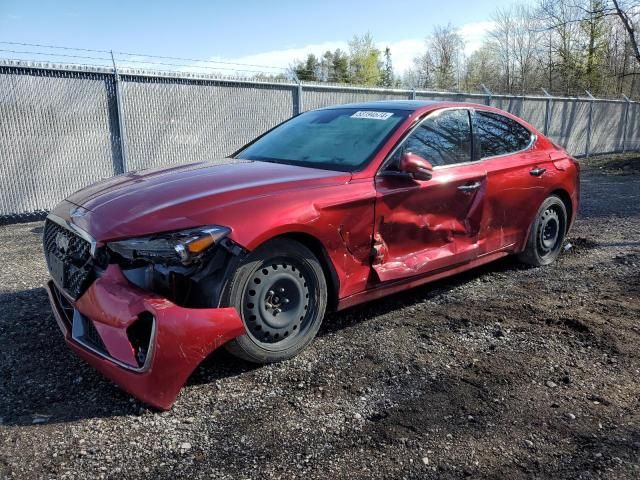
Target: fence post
[
  {"x": 120, "y": 114},
  {"x": 412, "y": 95},
  {"x": 297, "y": 104},
  {"x": 589, "y": 124},
  {"x": 299, "y": 99},
  {"x": 488, "y": 92},
  {"x": 547, "y": 112},
  {"x": 625, "y": 123}
]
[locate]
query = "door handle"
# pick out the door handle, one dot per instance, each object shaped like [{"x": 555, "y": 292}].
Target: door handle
[
  {"x": 537, "y": 171},
  {"x": 469, "y": 187}
]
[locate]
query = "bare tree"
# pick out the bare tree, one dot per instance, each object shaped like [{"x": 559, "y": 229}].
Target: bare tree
[
  {"x": 446, "y": 47},
  {"x": 594, "y": 45},
  {"x": 563, "y": 16},
  {"x": 420, "y": 75},
  {"x": 480, "y": 69},
  {"x": 526, "y": 37},
  {"x": 439, "y": 66},
  {"x": 501, "y": 42},
  {"x": 627, "y": 16}
]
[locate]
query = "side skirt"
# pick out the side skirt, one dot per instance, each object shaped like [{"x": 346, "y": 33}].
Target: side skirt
[{"x": 388, "y": 289}]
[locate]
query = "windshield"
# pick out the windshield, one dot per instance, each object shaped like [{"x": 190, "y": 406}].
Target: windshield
[{"x": 343, "y": 139}]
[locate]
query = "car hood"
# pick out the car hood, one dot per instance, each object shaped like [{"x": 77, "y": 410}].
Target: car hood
[{"x": 172, "y": 198}]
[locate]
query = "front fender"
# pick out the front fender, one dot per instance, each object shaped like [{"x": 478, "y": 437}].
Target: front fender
[{"x": 339, "y": 217}]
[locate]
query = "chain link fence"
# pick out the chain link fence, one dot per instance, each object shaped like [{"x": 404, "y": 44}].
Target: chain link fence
[{"x": 62, "y": 128}]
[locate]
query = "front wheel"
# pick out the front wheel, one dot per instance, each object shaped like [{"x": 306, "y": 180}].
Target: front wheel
[
  {"x": 280, "y": 293},
  {"x": 546, "y": 234}
]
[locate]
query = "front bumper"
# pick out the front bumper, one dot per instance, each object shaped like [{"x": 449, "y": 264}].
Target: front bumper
[{"x": 180, "y": 338}]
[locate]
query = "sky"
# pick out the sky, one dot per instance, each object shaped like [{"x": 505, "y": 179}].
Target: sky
[{"x": 272, "y": 33}]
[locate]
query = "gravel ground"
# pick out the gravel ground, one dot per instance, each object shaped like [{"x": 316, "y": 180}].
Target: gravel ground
[{"x": 502, "y": 372}]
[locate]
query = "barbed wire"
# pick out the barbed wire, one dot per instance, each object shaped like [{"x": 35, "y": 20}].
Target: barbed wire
[
  {"x": 324, "y": 74},
  {"x": 117, "y": 53},
  {"x": 198, "y": 60},
  {"x": 64, "y": 55},
  {"x": 29, "y": 63},
  {"x": 198, "y": 63},
  {"x": 145, "y": 62},
  {"x": 140, "y": 59},
  {"x": 41, "y": 45}
]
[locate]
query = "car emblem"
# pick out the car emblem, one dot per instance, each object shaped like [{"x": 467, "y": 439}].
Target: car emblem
[{"x": 62, "y": 242}]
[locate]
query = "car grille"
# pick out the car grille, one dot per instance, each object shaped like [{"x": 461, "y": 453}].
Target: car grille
[
  {"x": 68, "y": 258},
  {"x": 63, "y": 306}
]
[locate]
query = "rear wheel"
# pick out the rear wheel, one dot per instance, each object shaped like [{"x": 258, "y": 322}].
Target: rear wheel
[
  {"x": 281, "y": 294},
  {"x": 546, "y": 234}
]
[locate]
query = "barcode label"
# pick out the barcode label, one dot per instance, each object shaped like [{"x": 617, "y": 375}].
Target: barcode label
[{"x": 372, "y": 115}]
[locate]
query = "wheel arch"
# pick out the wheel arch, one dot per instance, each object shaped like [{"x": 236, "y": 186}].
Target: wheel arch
[
  {"x": 563, "y": 195},
  {"x": 565, "y": 198},
  {"x": 319, "y": 250}
]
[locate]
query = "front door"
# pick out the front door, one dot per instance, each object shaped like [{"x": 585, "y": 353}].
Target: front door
[{"x": 424, "y": 226}]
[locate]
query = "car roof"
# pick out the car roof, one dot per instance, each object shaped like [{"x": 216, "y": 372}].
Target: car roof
[
  {"x": 422, "y": 106},
  {"x": 410, "y": 105}
]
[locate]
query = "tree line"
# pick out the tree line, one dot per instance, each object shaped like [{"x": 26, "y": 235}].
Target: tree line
[
  {"x": 362, "y": 64},
  {"x": 562, "y": 46}
]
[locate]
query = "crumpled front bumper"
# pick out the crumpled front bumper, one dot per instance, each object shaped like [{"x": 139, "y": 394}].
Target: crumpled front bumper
[{"x": 180, "y": 337}]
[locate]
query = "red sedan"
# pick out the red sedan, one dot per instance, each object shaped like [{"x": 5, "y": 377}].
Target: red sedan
[{"x": 152, "y": 271}]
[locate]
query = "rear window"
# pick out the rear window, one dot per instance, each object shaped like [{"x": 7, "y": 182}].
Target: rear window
[
  {"x": 343, "y": 139},
  {"x": 499, "y": 135}
]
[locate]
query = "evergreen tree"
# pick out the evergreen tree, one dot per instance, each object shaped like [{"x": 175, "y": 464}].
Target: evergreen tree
[
  {"x": 340, "y": 66},
  {"x": 308, "y": 70},
  {"x": 312, "y": 67},
  {"x": 386, "y": 78}
]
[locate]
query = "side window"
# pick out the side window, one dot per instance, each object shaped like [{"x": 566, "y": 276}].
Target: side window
[
  {"x": 443, "y": 138},
  {"x": 499, "y": 135}
]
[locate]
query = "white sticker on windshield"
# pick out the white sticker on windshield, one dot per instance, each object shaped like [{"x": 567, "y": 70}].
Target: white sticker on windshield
[{"x": 372, "y": 115}]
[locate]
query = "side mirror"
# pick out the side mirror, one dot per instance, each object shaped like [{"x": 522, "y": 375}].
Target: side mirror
[{"x": 416, "y": 166}]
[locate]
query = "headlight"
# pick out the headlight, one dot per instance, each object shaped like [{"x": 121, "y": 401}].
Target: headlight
[{"x": 183, "y": 246}]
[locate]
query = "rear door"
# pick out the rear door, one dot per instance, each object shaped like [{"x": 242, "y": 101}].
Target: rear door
[
  {"x": 517, "y": 178},
  {"x": 422, "y": 226}
]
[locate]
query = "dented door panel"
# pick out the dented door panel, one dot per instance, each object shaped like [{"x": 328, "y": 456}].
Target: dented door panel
[
  {"x": 513, "y": 197},
  {"x": 426, "y": 226}
]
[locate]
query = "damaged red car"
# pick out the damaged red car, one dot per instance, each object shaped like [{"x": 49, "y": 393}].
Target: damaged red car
[{"x": 153, "y": 270}]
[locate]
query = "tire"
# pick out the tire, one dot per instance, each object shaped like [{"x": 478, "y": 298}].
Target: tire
[
  {"x": 546, "y": 234},
  {"x": 280, "y": 292}
]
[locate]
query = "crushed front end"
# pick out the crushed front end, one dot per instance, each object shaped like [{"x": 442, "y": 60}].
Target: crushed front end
[{"x": 142, "y": 321}]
